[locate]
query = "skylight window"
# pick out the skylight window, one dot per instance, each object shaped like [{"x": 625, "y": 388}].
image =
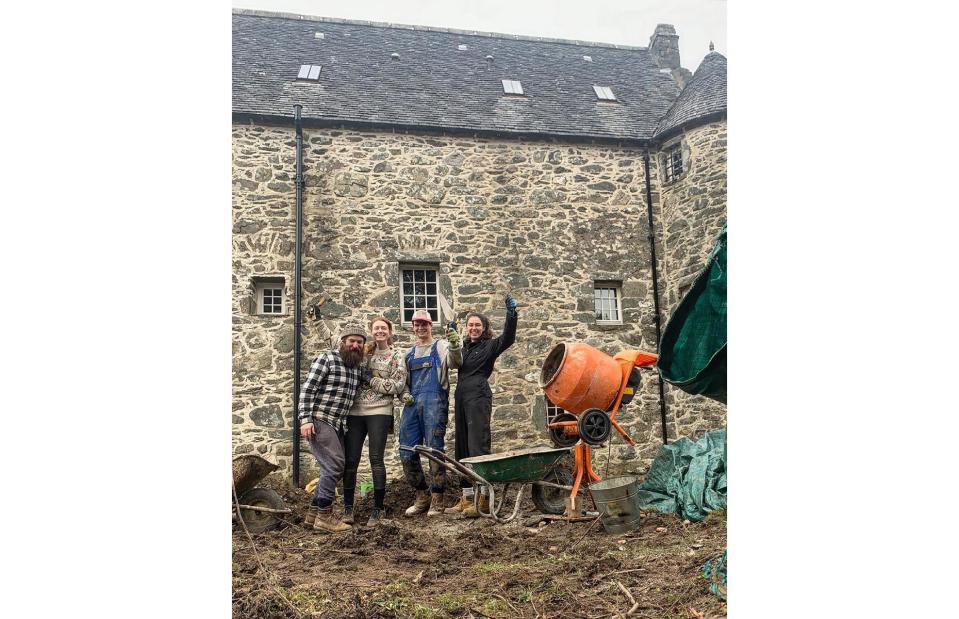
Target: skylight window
[
  {"x": 588, "y": 58},
  {"x": 462, "y": 48},
  {"x": 309, "y": 72},
  {"x": 605, "y": 93},
  {"x": 512, "y": 87},
  {"x": 319, "y": 35}
]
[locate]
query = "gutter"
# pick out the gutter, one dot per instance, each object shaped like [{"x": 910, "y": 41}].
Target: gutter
[
  {"x": 652, "y": 253},
  {"x": 297, "y": 320}
]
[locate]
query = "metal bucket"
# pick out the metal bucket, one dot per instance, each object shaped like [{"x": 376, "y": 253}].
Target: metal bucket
[{"x": 617, "y": 499}]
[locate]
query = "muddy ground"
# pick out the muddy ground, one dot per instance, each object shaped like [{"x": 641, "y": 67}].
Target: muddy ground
[{"x": 450, "y": 567}]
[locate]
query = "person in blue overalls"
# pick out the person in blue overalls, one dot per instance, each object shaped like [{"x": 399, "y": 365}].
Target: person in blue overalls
[{"x": 424, "y": 420}]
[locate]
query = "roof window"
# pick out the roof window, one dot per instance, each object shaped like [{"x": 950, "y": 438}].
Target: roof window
[
  {"x": 512, "y": 87},
  {"x": 319, "y": 35},
  {"x": 462, "y": 48},
  {"x": 309, "y": 72},
  {"x": 605, "y": 93},
  {"x": 588, "y": 58}
]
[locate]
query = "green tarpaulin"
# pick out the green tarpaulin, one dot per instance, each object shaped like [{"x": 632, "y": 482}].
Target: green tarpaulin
[
  {"x": 692, "y": 353},
  {"x": 687, "y": 477}
]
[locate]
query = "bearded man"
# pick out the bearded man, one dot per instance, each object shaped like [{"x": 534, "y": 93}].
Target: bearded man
[{"x": 325, "y": 402}]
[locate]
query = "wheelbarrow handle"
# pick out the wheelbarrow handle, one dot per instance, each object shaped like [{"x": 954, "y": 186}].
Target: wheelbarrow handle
[{"x": 443, "y": 460}]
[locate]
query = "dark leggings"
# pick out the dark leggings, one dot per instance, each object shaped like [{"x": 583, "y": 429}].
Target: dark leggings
[{"x": 358, "y": 426}]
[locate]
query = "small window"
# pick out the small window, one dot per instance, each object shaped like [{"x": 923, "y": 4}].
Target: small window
[
  {"x": 673, "y": 163},
  {"x": 512, "y": 87},
  {"x": 605, "y": 93},
  {"x": 319, "y": 35},
  {"x": 588, "y": 58},
  {"x": 606, "y": 300},
  {"x": 462, "y": 48},
  {"x": 270, "y": 297},
  {"x": 309, "y": 72},
  {"x": 552, "y": 410},
  {"x": 418, "y": 290}
]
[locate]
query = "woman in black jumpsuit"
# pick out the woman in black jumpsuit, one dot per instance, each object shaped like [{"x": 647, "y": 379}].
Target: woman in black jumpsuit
[{"x": 473, "y": 402}]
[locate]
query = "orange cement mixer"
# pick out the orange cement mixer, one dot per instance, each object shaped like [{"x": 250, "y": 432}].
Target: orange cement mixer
[{"x": 591, "y": 387}]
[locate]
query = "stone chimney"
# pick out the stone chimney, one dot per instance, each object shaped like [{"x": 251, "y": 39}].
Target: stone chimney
[{"x": 664, "y": 46}]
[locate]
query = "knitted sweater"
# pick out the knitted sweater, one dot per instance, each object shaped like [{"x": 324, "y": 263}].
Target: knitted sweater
[{"x": 389, "y": 380}]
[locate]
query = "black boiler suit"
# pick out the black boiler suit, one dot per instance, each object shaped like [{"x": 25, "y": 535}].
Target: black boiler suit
[{"x": 473, "y": 401}]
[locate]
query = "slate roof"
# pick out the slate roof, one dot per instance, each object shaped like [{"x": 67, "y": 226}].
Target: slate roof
[
  {"x": 435, "y": 85},
  {"x": 704, "y": 96}
]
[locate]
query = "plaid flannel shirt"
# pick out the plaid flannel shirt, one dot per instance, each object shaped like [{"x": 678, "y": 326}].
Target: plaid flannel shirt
[{"x": 329, "y": 391}]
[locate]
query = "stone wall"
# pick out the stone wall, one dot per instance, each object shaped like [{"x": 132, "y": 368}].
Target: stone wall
[
  {"x": 693, "y": 211},
  {"x": 543, "y": 219}
]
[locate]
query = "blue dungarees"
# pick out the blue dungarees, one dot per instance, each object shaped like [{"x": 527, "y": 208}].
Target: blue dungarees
[{"x": 424, "y": 421}]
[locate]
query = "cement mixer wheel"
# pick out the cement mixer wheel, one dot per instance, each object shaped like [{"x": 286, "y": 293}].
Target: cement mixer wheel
[
  {"x": 594, "y": 426},
  {"x": 559, "y": 436}
]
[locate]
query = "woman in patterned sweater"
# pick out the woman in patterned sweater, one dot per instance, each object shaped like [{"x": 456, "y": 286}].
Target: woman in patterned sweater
[{"x": 384, "y": 376}]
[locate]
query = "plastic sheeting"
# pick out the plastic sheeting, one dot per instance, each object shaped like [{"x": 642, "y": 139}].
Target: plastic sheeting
[{"x": 687, "y": 477}]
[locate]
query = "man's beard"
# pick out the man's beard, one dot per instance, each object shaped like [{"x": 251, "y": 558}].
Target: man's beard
[{"x": 351, "y": 358}]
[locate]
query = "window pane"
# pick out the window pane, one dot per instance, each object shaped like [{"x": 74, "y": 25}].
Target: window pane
[
  {"x": 407, "y": 276},
  {"x": 431, "y": 289},
  {"x": 315, "y": 72},
  {"x": 420, "y": 302},
  {"x": 431, "y": 276},
  {"x": 407, "y": 288},
  {"x": 304, "y": 71},
  {"x": 407, "y": 301},
  {"x": 434, "y": 315},
  {"x": 407, "y": 315}
]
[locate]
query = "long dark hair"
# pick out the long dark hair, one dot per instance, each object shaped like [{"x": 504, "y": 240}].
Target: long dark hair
[{"x": 487, "y": 333}]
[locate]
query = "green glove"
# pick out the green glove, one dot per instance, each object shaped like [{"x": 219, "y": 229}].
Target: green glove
[
  {"x": 408, "y": 399},
  {"x": 453, "y": 338}
]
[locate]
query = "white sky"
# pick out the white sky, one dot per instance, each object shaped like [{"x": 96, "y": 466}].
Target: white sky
[{"x": 624, "y": 22}]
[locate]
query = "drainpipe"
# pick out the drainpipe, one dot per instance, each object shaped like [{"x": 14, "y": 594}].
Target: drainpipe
[
  {"x": 297, "y": 326},
  {"x": 652, "y": 253}
]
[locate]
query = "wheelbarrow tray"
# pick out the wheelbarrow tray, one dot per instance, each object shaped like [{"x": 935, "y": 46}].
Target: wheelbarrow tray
[
  {"x": 521, "y": 465},
  {"x": 248, "y": 470}
]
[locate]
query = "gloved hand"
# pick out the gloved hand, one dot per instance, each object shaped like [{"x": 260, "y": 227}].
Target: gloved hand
[
  {"x": 408, "y": 399},
  {"x": 366, "y": 375},
  {"x": 511, "y": 303},
  {"x": 453, "y": 338}
]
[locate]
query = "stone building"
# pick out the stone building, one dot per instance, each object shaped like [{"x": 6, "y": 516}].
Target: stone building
[{"x": 443, "y": 168}]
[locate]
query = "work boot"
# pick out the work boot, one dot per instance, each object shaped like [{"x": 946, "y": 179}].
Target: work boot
[
  {"x": 310, "y": 517},
  {"x": 326, "y": 521},
  {"x": 347, "y": 514},
  {"x": 376, "y": 518},
  {"x": 460, "y": 507},
  {"x": 420, "y": 504},
  {"x": 473, "y": 512},
  {"x": 436, "y": 505}
]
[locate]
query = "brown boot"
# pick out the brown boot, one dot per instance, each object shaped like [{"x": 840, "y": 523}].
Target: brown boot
[
  {"x": 436, "y": 505},
  {"x": 473, "y": 512},
  {"x": 326, "y": 521},
  {"x": 460, "y": 507},
  {"x": 310, "y": 517},
  {"x": 420, "y": 504}
]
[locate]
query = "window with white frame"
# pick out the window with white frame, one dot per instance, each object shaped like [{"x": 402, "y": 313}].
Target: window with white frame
[
  {"x": 309, "y": 72},
  {"x": 604, "y": 93},
  {"x": 270, "y": 297},
  {"x": 673, "y": 163},
  {"x": 512, "y": 87},
  {"x": 418, "y": 290},
  {"x": 552, "y": 410},
  {"x": 606, "y": 300}
]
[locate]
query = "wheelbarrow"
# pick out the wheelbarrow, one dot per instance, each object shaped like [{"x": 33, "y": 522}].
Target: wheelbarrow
[
  {"x": 541, "y": 467},
  {"x": 257, "y": 508}
]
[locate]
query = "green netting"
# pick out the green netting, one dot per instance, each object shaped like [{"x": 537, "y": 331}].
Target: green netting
[
  {"x": 688, "y": 478},
  {"x": 692, "y": 353}
]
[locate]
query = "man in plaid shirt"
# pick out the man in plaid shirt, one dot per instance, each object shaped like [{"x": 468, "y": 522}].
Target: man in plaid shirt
[{"x": 325, "y": 402}]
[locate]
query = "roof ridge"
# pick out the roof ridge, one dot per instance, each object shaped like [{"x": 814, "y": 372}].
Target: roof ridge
[{"x": 477, "y": 33}]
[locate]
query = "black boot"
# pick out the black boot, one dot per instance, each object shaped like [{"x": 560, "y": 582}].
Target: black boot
[{"x": 347, "y": 514}]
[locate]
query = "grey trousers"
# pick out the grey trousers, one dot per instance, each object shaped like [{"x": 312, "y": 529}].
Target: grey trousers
[{"x": 327, "y": 448}]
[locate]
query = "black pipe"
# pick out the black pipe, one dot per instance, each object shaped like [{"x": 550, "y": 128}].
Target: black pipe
[
  {"x": 296, "y": 295},
  {"x": 652, "y": 254}
]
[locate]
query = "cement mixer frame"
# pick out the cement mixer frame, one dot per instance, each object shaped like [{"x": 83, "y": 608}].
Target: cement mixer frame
[{"x": 591, "y": 387}]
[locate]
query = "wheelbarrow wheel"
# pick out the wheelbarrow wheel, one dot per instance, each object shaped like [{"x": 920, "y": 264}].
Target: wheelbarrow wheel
[
  {"x": 551, "y": 500},
  {"x": 258, "y": 522},
  {"x": 559, "y": 436},
  {"x": 594, "y": 426}
]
